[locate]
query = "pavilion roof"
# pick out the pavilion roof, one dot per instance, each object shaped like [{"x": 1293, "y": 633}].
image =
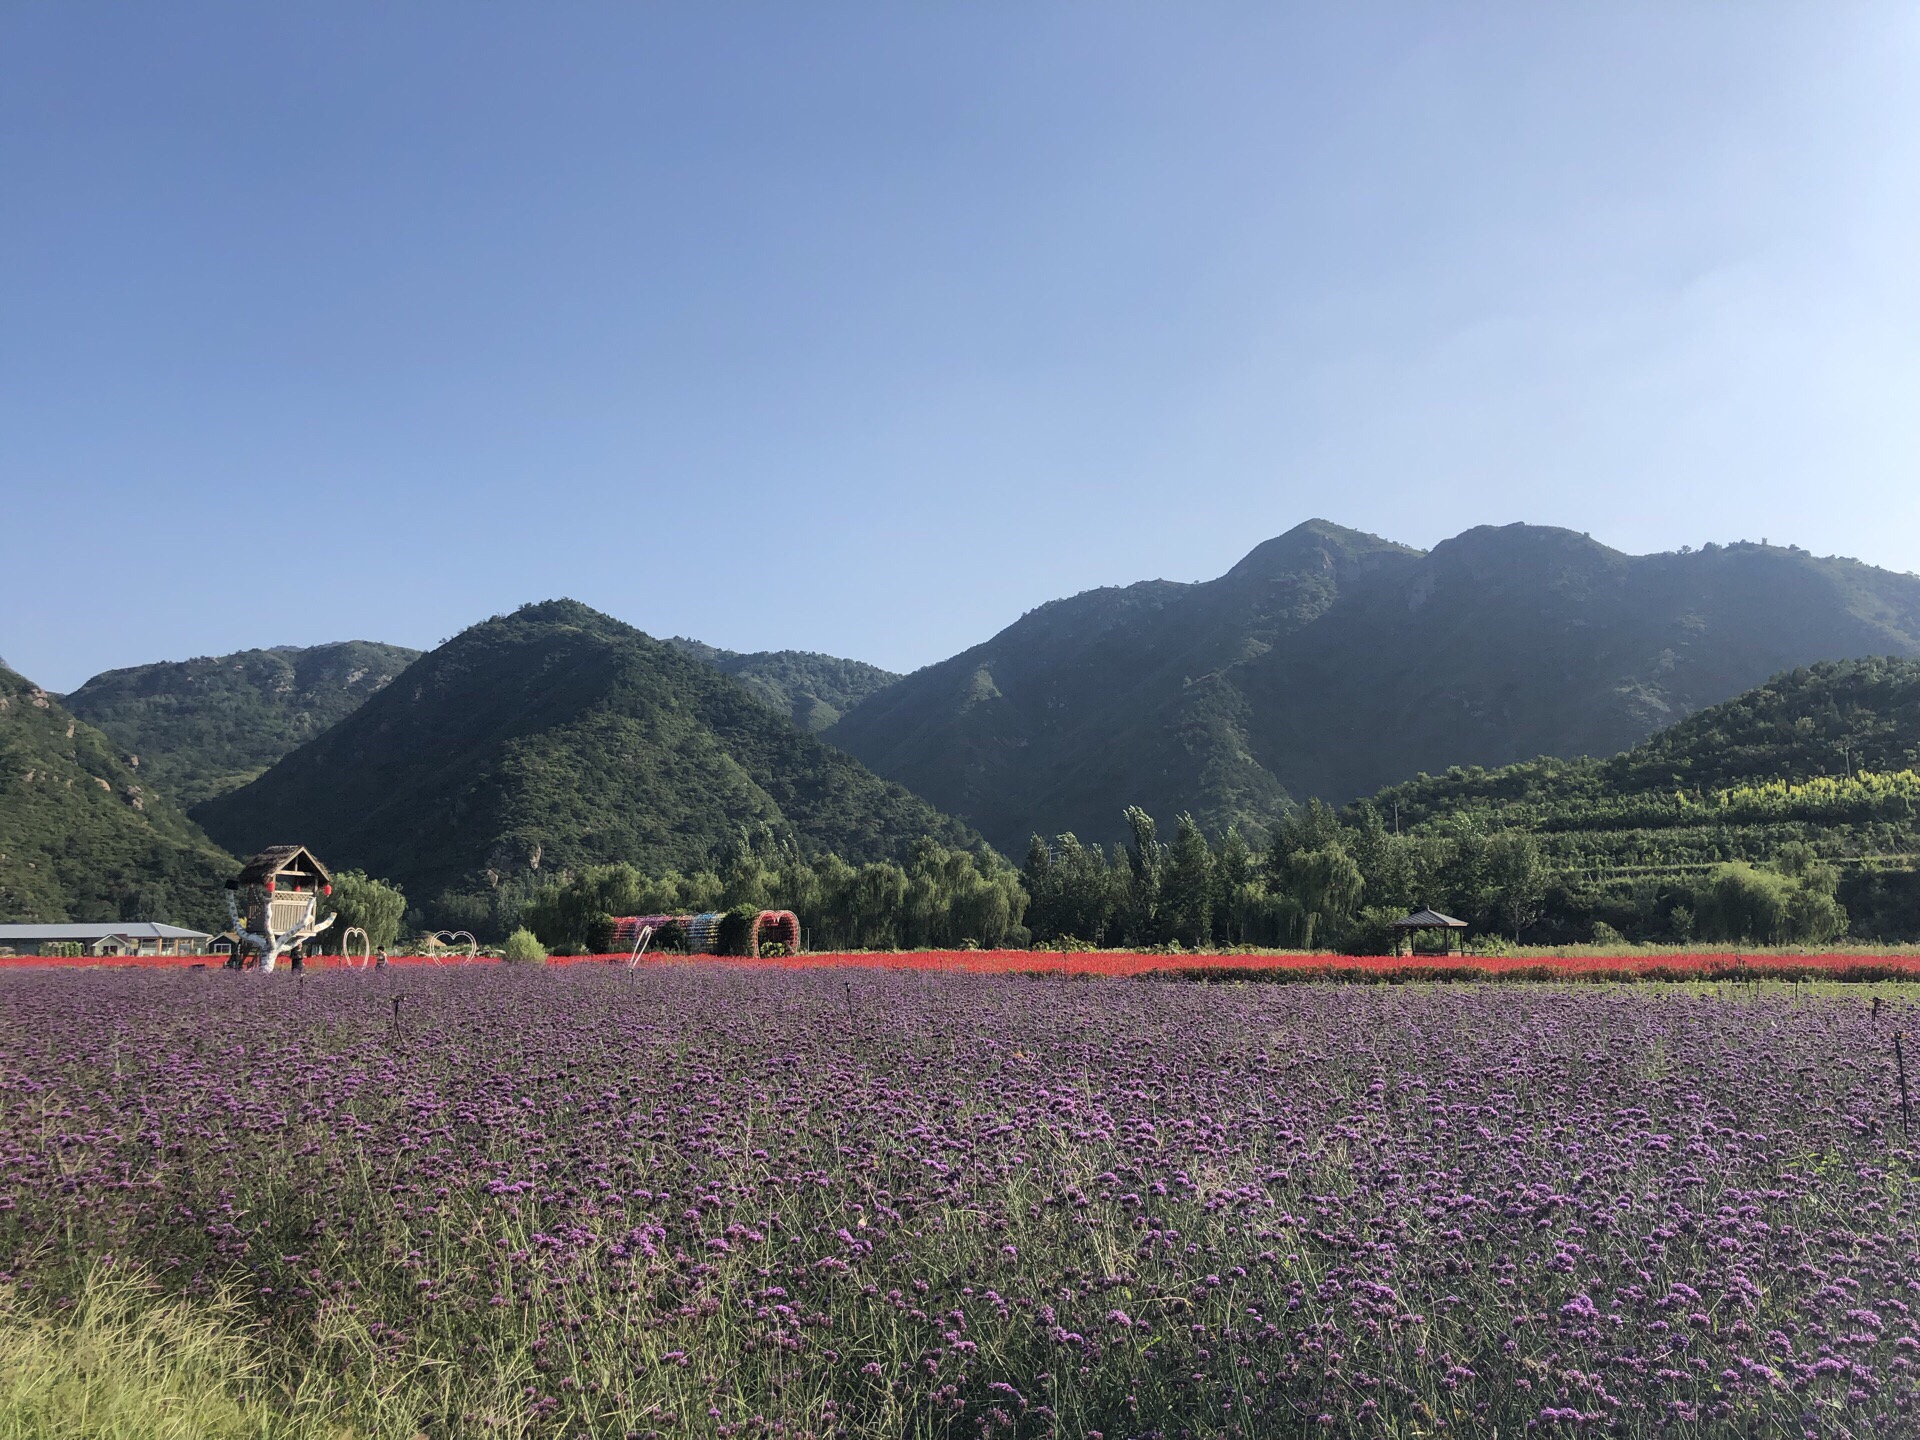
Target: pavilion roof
[{"x": 1427, "y": 919}]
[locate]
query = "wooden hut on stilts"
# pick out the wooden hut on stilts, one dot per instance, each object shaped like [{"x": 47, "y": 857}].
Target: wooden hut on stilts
[{"x": 275, "y": 901}]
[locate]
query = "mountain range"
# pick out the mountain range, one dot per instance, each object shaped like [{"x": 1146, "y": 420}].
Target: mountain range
[
  {"x": 1326, "y": 663},
  {"x": 554, "y": 738},
  {"x": 1330, "y": 663}
]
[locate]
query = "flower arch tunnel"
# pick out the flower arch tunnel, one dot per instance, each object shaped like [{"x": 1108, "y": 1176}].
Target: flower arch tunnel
[{"x": 705, "y": 934}]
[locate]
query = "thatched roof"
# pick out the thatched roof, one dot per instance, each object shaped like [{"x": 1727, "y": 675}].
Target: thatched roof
[
  {"x": 278, "y": 860},
  {"x": 1425, "y": 919}
]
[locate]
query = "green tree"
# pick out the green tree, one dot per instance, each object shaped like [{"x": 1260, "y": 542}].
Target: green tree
[
  {"x": 1814, "y": 912},
  {"x": 1462, "y": 871},
  {"x": 875, "y": 899},
  {"x": 701, "y": 892},
  {"x": 1518, "y": 876},
  {"x": 736, "y": 930},
  {"x": 575, "y": 915},
  {"x": 1187, "y": 885},
  {"x": 746, "y": 880},
  {"x": 1071, "y": 890},
  {"x": 1090, "y": 891},
  {"x": 373, "y": 905},
  {"x": 524, "y": 948},
  {"x": 1040, "y": 874},
  {"x": 1307, "y": 827},
  {"x": 1236, "y": 884},
  {"x": 1146, "y": 857},
  {"x": 830, "y": 924},
  {"x": 1324, "y": 886},
  {"x": 1742, "y": 902},
  {"x": 796, "y": 885}
]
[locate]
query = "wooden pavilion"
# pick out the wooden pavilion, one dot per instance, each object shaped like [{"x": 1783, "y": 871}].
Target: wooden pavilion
[{"x": 1425, "y": 918}]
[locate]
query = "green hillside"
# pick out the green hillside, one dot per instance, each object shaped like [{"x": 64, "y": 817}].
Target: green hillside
[
  {"x": 82, "y": 834},
  {"x": 811, "y": 689},
  {"x": 1752, "y": 822},
  {"x": 555, "y": 738},
  {"x": 1116, "y": 696},
  {"x": 1820, "y": 763},
  {"x": 1329, "y": 663},
  {"x": 205, "y": 726}
]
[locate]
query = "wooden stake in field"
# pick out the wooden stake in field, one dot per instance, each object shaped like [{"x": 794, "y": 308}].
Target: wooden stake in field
[{"x": 1906, "y": 1103}]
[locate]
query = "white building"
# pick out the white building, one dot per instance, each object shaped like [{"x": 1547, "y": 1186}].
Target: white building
[{"x": 126, "y": 937}]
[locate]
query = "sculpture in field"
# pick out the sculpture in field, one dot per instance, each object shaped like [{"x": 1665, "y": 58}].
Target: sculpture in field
[{"x": 275, "y": 901}]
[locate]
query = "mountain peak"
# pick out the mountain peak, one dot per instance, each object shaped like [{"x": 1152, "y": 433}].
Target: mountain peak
[
  {"x": 1313, "y": 545},
  {"x": 1522, "y": 538},
  {"x": 560, "y": 611}
]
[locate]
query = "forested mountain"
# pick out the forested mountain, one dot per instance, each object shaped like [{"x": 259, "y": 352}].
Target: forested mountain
[
  {"x": 1116, "y": 696},
  {"x": 202, "y": 727},
  {"x": 813, "y": 690},
  {"x": 205, "y": 726},
  {"x": 554, "y": 738},
  {"x": 83, "y": 836},
  {"x": 1329, "y": 663},
  {"x": 1821, "y": 762}
]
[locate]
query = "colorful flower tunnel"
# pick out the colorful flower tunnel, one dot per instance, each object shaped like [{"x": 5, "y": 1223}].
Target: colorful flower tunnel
[{"x": 711, "y": 934}]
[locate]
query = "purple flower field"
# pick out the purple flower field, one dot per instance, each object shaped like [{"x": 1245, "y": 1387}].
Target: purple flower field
[{"x": 700, "y": 1201}]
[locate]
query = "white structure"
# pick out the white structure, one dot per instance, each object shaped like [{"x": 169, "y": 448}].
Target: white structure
[
  {"x": 275, "y": 901},
  {"x": 126, "y": 937}
]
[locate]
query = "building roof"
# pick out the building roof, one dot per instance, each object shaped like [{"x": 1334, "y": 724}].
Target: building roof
[
  {"x": 130, "y": 929},
  {"x": 1425, "y": 919},
  {"x": 277, "y": 858}
]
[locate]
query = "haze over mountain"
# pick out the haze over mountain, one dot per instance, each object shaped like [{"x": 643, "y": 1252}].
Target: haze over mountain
[
  {"x": 204, "y": 726},
  {"x": 83, "y": 836},
  {"x": 553, "y": 738},
  {"x": 1331, "y": 663},
  {"x": 814, "y": 690}
]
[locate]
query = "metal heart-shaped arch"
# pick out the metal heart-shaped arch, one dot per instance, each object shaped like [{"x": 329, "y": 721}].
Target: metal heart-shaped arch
[{"x": 450, "y": 939}]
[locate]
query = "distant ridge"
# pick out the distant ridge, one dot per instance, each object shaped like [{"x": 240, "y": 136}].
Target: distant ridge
[
  {"x": 83, "y": 836},
  {"x": 203, "y": 726},
  {"x": 813, "y": 690},
  {"x": 1330, "y": 663}
]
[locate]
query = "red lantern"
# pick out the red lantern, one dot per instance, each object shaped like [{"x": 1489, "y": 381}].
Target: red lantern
[
  {"x": 326, "y": 889},
  {"x": 269, "y": 887}
]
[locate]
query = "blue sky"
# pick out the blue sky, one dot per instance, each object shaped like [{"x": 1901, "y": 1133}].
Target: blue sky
[{"x": 866, "y": 328}]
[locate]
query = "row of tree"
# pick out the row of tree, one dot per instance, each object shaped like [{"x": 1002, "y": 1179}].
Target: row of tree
[
  {"x": 1316, "y": 883},
  {"x": 942, "y": 898},
  {"x": 1322, "y": 880},
  {"x": 1337, "y": 882}
]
